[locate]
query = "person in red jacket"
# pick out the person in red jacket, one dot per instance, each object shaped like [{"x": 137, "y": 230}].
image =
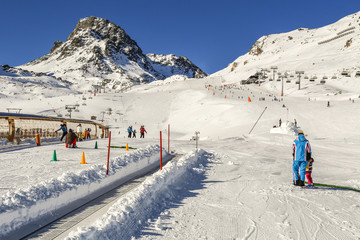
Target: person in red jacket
[{"x": 142, "y": 131}]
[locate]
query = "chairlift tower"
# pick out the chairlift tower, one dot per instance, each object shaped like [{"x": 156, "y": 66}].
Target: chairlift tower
[
  {"x": 282, "y": 84},
  {"x": 299, "y": 75},
  {"x": 274, "y": 68},
  {"x": 70, "y": 108},
  {"x": 263, "y": 72}
]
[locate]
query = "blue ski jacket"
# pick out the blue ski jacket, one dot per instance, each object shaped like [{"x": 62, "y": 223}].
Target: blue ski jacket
[{"x": 301, "y": 149}]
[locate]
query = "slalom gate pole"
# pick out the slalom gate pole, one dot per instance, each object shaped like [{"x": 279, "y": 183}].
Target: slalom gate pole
[
  {"x": 107, "y": 166},
  {"x": 160, "y": 151},
  {"x": 38, "y": 141},
  {"x": 168, "y": 138},
  {"x": 257, "y": 120}
]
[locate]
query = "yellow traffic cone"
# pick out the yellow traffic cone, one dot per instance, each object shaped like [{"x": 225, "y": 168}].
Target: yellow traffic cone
[
  {"x": 127, "y": 147},
  {"x": 83, "y": 159}
]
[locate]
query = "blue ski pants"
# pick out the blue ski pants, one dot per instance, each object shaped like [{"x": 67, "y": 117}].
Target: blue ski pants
[{"x": 299, "y": 166}]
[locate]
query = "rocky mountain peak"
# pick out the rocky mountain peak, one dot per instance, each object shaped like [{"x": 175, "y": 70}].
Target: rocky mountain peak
[{"x": 100, "y": 49}]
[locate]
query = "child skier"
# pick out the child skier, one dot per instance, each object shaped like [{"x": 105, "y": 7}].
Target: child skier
[
  {"x": 308, "y": 171},
  {"x": 71, "y": 139}
]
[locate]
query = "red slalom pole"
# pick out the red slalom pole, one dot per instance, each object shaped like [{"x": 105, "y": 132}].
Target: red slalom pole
[
  {"x": 107, "y": 170},
  {"x": 160, "y": 151},
  {"x": 168, "y": 138}
]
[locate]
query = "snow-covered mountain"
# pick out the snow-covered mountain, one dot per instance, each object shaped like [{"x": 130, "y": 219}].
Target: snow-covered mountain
[
  {"x": 24, "y": 84},
  {"x": 98, "y": 49},
  {"x": 328, "y": 51}
]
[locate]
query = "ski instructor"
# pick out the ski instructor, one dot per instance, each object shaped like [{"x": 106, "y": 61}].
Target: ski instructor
[{"x": 301, "y": 154}]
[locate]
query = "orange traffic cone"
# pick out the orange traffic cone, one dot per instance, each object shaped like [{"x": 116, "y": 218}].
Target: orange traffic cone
[
  {"x": 249, "y": 100},
  {"x": 127, "y": 147},
  {"x": 83, "y": 159}
]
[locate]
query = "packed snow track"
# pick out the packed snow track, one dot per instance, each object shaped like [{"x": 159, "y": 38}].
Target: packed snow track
[{"x": 86, "y": 213}]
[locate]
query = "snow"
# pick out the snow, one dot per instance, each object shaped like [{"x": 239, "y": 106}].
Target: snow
[{"x": 238, "y": 186}]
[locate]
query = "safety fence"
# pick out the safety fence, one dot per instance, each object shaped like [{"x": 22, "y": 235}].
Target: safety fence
[
  {"x": 345, "y": 30},
  {"x": 15, "y": 126},
  {"x": 338, "y": 36}
]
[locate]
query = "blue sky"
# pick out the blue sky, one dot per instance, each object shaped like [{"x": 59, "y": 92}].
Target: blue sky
[{"x": 210, "y": 33}]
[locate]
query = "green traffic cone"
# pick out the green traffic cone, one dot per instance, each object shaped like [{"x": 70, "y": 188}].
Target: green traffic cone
[
  {"x": 54, "y": 157},
  {"x": 96, "y": 145}
]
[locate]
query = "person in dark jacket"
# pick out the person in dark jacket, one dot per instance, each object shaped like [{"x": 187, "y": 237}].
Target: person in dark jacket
[
  {"x": 64, "y": 129},
  {"x": 134, "y": 133},
  {"x": 71, "y": 139}
]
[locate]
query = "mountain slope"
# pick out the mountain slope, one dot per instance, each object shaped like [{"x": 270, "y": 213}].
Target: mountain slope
[
  {"x": 22, "y": 84},
  {"x": 98, "y": 49},
  {"x": 325, "y": 51}
]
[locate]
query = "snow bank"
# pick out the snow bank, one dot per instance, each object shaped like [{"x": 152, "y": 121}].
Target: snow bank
[
  {"x": 126, "y": 216},
  {"x": 21, "y": 207},
  {"x": 287, "y": 128}
]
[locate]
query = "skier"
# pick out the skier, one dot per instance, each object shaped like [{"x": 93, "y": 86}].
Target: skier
[
  {"x": 63, "y": 128},
  {"x": 134, "y": 133},
  {"x": 280, "y": 122},
  {"x": 129, "y": 131},
  {"x": 70, "y": 139},
  {"x": 308, "y": 172},
  {"x": 301, "y": 154},
  {"x": 328, "y": 104},
  {"x": 88, "y": 135},
  {"x": 79, "y": 131},
  {"x": 295, "y": 122},
  {"x": 142, "y": 131}
]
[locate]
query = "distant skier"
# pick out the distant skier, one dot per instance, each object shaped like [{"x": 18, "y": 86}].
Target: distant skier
[
  {"x": 308, "y": 172},
  {"x": 71, "y": 139},
  {"x": 280, "y": 122},
  {"x": 328, "y": 104},
  {"x": 295, "y": 122},
  {"x": 134, "y": 133},
  {"x": 301, "y": 154},
  {"x": 129, "y": 131},
  {"x": 63, "y": 128},
  {"x": 142, "y": 131}
]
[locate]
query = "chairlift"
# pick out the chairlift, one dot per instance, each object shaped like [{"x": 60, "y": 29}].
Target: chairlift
[
  {"x": 288, "y": 81},
  {"x": 344, "y": 73},
  {"x": 322, "y": 81}
]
